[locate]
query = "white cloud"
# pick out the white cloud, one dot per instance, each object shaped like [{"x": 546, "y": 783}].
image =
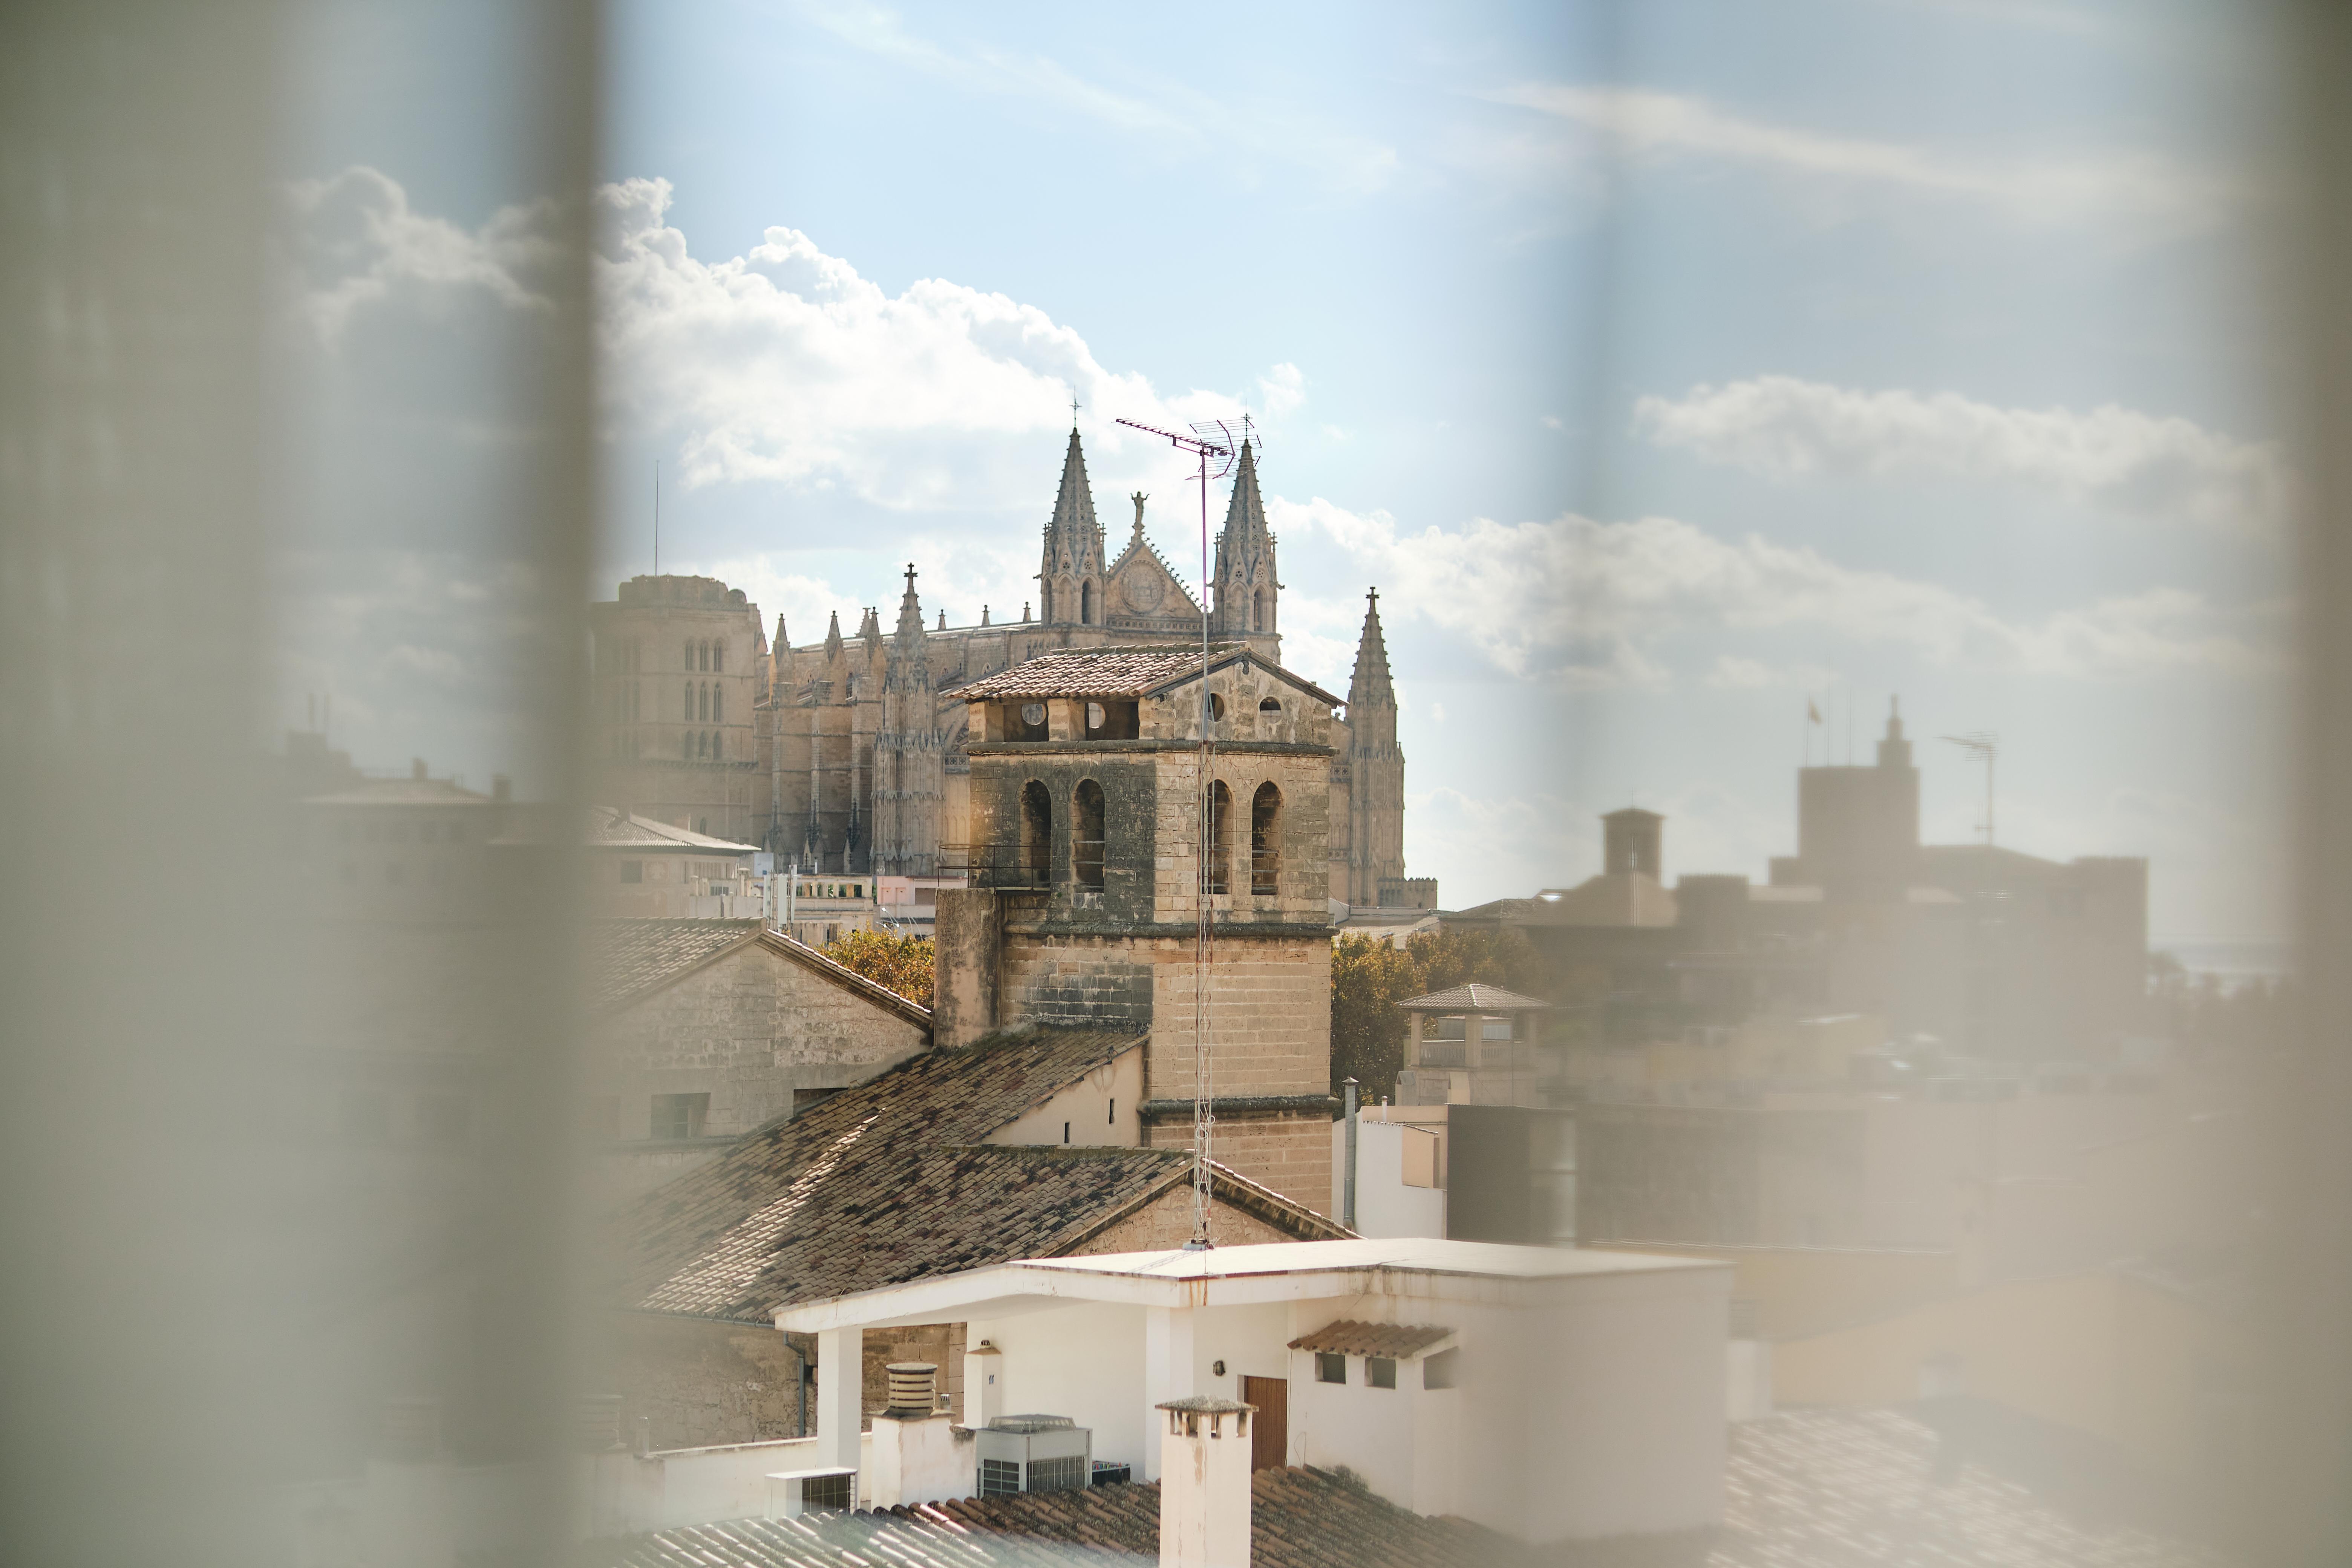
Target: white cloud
[
  {"x": 780, "y": 365},
  {"x": 1600, "y": 604},
  {"x": 1651, "y": 125},
  {"x": 2114, "y": 458}
]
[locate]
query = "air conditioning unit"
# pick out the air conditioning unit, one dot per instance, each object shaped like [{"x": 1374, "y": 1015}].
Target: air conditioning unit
[{"x": 1034, "y": 1454}]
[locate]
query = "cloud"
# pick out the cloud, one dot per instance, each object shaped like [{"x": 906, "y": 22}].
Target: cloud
[
  {"x": 781, "y": 365},
  {"x": 1652, "y": 126},
  {"x": 1602, "y": 603},
  {"x": 1174, "y": 121},
  {"x": 2116, "y": 459}
]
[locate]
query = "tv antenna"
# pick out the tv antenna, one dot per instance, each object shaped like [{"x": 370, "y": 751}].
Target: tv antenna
[
  {"x": 1216, "y": 445},
  {"x": 1983, "y": 746}
]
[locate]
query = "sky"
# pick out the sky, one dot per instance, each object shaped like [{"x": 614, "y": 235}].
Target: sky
[{"x": 1671, "y": 369}]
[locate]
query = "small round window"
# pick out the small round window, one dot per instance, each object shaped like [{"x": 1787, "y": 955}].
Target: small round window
[
  {"x": 1269, "y": 705},
  {"x": 1093, "y": 715},
  {"x": 1032, "y": 712},
  {"x": 1216, "y": 706}
]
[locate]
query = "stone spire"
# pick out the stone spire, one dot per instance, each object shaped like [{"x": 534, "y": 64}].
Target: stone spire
[
  {"x": 909, "y": 783},
  {"x": 1246, "y": 582},
  {"x": 1370, "y": 686},
  {"x": 1375, "y": 768},
  {"x": 1070, "y": 569},
  {"x": 833, "y": 638},
  {"x": 782, "y": 643}
]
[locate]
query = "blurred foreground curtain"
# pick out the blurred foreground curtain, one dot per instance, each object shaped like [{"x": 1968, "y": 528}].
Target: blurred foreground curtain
[{"x": 191, "y": 1272}]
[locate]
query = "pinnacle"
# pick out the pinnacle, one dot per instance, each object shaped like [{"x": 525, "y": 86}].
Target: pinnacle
[{"x": 1370, "y": 686}]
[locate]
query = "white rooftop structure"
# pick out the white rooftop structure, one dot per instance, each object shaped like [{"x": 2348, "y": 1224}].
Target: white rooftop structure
[{"x": 1553, "y": 1393}]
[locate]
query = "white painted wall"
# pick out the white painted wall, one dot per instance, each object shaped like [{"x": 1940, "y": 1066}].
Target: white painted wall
[
  {"x": 925, "y": 1460},
  {"x": 1098, "y": 1109},
  {"x": 1385, "y": 1206},
  {"x": 626, "y": 1494},
  {"x": 1083, "y": 1360},
  {"x": 1369, "y": 1430}
]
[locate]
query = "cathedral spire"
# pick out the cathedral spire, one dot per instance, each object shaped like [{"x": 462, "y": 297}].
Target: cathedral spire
[
  {"x": 1246, "y": 580},
  {"x": 1071, "y": 569},
  {"x": 782, "y": 644},
  {"x": 910, "y": 612},
  {"x": 1370, "y": 686},
  {"x": 833, "y": 637}
]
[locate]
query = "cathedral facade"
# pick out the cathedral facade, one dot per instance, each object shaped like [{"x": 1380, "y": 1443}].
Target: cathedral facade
[{"x": 848, "y": 754}]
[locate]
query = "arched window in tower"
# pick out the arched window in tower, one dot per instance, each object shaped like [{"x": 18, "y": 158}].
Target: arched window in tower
[
  {"x": 686, "y": 712},
  {"x": 1086, "y": 835},
  {"x": 686, "y": 745},
  {"x": 1036, "y": 834},
  {"x": 718, "y": 658},
  {"x": 1085, "y": 604},
  {"x": 690, "y": 656},
  {"x": 702, "y": 653},
  {"x": 1221, "y": 846},
  {"x": 1045, "y": 601},
  {"x": 1265, "y": 841},
  {"x": 1257, "y": 609},
  {"x": 701, "y": 702},
  {"x": 717, "y": 703}
]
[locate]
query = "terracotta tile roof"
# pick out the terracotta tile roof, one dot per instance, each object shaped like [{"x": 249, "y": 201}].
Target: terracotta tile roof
[
  {"x": 1348, "y": 1337},
  {"x": 1118, "y": 673},
  {"x": 1827, "y": 1488},
  {"x": 1475, "y": 997},
  {"x": 1299, "y": 1519},
  {"x": 1089, "y": 672},
  {"x": 627, "y": 956},
  {"x": 890, "y": 1182}
]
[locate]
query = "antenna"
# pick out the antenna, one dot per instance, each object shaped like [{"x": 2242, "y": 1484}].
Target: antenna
[
  {"x": 1984, "y": 746},
  {"x": 1212, "y": 438},
  {"x": 656, "y": 517}
]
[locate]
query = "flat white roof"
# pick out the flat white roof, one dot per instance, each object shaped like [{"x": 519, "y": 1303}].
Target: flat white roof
[{"x": 1227, "y": 1275}]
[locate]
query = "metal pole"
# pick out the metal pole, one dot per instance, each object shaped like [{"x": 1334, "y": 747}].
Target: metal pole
[{"x": 1348, "y": 1197}]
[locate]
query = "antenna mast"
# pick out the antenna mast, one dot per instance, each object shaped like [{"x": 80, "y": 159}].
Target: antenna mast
[
  {"x": 1984, "y": 746},
  {"x": 1209, "y": 440},
  {"x": 656, "y": 517}
]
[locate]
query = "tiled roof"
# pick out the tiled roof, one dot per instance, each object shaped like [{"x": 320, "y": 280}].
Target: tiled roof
[
  {"x": 629, "y": 956},
  {"x": 1299, "y": 1519},
  {"x": 1475, "y": 997},
  {"x": 1348, "y": 1337},
  {"x": 1118, "y": 673},
  {"x": 1826, "y": 1489},
  {"x": 626, "y": 956},
  {"x": 612, "y": 829},
  {"x": 888, "y": 1181},
  {"x": 1091, "y": 672}
]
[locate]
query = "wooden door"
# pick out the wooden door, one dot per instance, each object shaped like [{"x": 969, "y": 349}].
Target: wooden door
[{"x": 1270, "y": 1427}]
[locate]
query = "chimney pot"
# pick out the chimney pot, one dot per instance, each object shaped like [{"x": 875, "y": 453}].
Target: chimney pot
[{"x": 914, "y": 1386}]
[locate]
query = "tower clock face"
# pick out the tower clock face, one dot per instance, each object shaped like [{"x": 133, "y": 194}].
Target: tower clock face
[{"x": 1144, "y": 591}]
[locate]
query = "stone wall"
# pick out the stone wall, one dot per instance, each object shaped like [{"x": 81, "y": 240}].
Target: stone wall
[
  {"x": 747, "y": 1030},
  {"x": 1166, "y": 1224},
  {"x": 1290, "y": 1152},
  {"x": 1085, "y": 981},
  {"x": 703, "y": 1383},
  {"x": 942, "y": 1345}
]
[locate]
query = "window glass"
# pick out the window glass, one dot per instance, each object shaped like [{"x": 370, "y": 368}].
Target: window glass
[
  {"x": 1330, "y": 1367},
  {"x": 1380, "y": 1372}
]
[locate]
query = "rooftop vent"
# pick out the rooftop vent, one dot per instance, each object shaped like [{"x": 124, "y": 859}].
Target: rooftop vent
[
  {"x": 1034, "y": 1454},
  {"x": 914, "y": 1387}
]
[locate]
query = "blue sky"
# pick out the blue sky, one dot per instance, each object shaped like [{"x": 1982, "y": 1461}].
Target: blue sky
[{"x": 1667, "y": 365}]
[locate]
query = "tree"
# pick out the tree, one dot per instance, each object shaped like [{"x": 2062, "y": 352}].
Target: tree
[
  {"x": 903, "y": 963},
  {"x": 1369, "y": 977}
]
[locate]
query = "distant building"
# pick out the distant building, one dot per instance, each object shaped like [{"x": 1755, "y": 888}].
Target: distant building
[
  {"x": 849, "y": 753},
  {"x": 1087, "y": 863},
  {"x": 640, "y": 866}
]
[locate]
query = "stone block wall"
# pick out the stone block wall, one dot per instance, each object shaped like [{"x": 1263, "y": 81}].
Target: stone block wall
[
  {"x": 1269, "y": 1017},
  {"x": 1077, "y": 982},
  {"x": 942, "y": 1345},
  {"x": 1303, "y": 778},
  {"x": 703, "y": 1383},
  {"x": 1289, "y": 1151},
  {"x": 747, "y": 1030},
  {"x": 1166, "y": 1224}
]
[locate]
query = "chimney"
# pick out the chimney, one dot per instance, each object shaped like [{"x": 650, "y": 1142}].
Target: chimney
[
  {"x": 966, "y": 936},
  {"x": 984, "y": 1385},
  {"x": 1205, "y": 1484},
  {"x": 416, "y": 767},
  {"x": 919, "y": 1455}
]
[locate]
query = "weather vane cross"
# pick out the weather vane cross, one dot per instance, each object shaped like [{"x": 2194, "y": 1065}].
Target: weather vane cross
[{"x": 1074, "y": 405}]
